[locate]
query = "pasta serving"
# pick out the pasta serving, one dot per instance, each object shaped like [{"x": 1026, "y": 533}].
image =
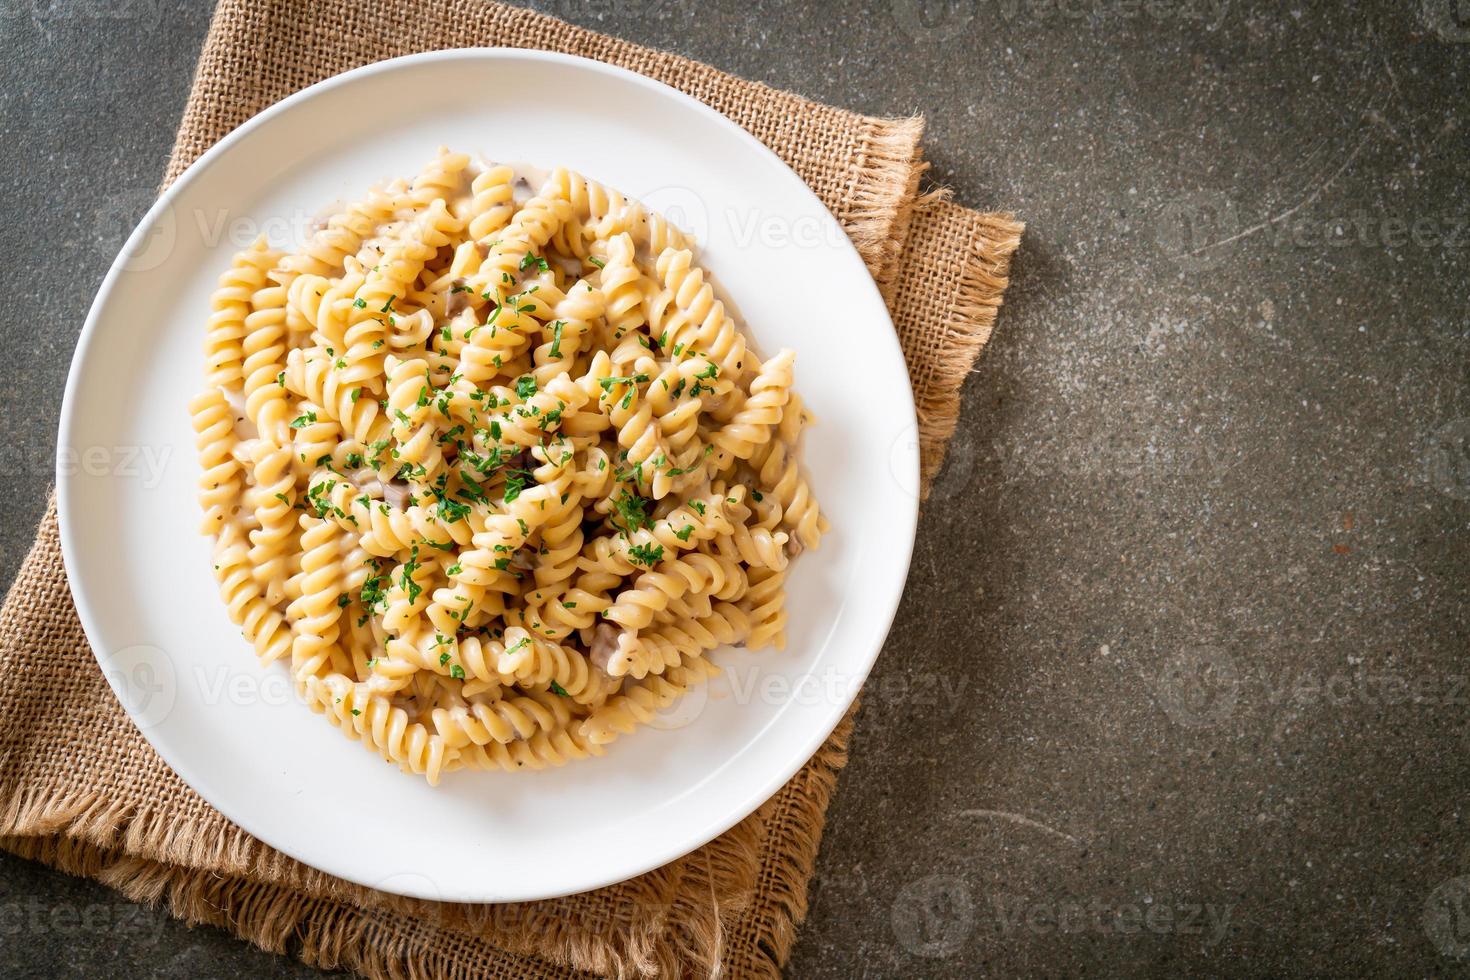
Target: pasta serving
[{"x": 492, "y": 469}]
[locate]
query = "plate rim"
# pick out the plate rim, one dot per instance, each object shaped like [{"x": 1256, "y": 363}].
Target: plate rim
[{"x": 67, "y": 482}]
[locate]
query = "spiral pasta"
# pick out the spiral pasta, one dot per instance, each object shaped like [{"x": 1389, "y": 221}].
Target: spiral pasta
[{"x": 492, "y": 470}]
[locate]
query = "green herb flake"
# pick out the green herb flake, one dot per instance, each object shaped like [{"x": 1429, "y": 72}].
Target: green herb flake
[{"x": 648, "y": 555}]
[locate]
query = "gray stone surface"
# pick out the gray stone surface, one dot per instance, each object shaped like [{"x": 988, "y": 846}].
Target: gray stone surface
[{"x": 1178, "y": 683}]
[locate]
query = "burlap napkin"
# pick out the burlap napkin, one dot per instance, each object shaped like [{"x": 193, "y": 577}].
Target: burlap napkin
[{"x": 81, "y": 790}]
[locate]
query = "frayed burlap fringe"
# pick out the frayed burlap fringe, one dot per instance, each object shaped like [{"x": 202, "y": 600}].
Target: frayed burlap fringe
[
  {"x": 326, "y": 933},
  {"x": 81, "y": 790},
  {"x": 408, "y": 935},
  {"x": 976, "y": 250},
  {"x": 891, "y": 156}
]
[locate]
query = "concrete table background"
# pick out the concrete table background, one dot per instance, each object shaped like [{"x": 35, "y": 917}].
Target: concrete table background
[{"x": 1179, "y": 679}]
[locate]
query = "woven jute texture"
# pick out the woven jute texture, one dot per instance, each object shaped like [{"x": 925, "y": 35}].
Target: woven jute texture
[{"x": 80, "y": 789}]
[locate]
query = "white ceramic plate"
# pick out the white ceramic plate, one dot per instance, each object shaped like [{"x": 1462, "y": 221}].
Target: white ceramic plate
[{"x": 139, "y": 569}]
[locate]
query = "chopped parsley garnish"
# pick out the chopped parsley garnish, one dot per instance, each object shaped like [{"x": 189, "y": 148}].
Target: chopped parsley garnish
[
  {"x": 451, "y": 511},
  {"x": 632, "y": 510},
  {"x": 373, "y": 592},
  {"x": 515, "y": 482},
  {"x": 413, "y": 589},
  {"x": 643, "y": 554},
  {"x": 607, "y": 383}
]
